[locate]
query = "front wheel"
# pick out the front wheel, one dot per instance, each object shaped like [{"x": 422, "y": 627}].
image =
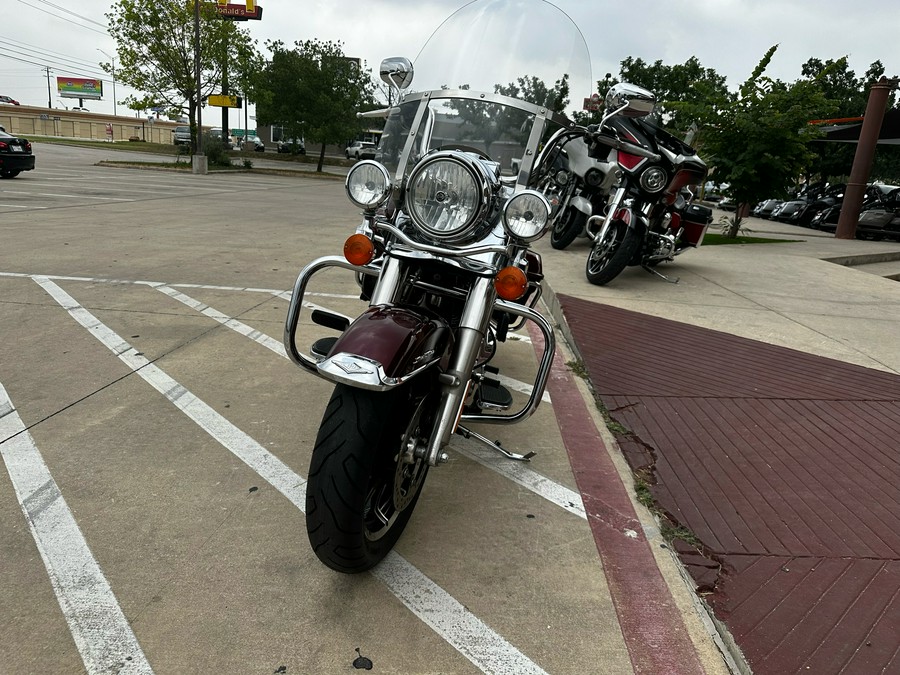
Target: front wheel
[
  {"x": 609, "y": 257},
  {"x": 568, "y": 226},
  {"x": 364, "y": 480}
]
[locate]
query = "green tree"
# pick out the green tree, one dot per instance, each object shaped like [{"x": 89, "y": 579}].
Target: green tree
[
  {"x": 487, "y": 122},
  {"x": 155, "y": 46},
  {"x": 757, "y": 139},
  {"x": 687, "y": 83},
  {"x": 313, "y": 91}
]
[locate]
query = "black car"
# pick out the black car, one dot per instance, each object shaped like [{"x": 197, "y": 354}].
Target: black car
[
  {"x": 788, "y": 210},
  {"x": 15, "y": 155},
  {"x": 764, "y": 209},
  {"x": 292, "y": 146}
]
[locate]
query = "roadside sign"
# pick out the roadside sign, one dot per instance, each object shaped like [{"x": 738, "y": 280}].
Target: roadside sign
[
  {"x": 225, "y": 101},
  {"x": 239, "y": 12}
]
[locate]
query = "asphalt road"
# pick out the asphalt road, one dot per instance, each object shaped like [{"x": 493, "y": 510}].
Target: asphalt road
[{"x": 157, "y": 438}]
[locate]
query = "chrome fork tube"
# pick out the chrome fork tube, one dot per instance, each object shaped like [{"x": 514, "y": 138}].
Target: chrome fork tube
[
  {"x": 455, "y": 382},
  {"x": 610, "y": 214},
  {"x": 388, "y": 281}
]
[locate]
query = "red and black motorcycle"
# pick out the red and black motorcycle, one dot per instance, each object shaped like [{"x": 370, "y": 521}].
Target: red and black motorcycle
[{"x": 649, "y": 218}]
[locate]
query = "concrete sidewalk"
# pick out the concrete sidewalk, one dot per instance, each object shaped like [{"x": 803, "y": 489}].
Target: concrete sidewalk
[{"x": 759, "y": 397}]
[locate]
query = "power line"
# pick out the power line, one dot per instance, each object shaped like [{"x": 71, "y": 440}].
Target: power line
[
  {"x": 62, "y": 67},
  {"x": 40, "y": 9},
  {"x": 33, "y": 48},
  {"x": 67, "y": 11},
  {"x": 93, "y": 70}
]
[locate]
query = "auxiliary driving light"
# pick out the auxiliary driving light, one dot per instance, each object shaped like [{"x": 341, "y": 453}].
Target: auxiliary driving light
[
  {"x": 525, "y": 216},
  {"x": 368, "y": 184}
]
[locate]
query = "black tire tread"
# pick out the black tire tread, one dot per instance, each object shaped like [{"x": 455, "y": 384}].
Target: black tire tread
[
  {"x": 343, "y": 460},
  {"x": 618, "y": 261}
]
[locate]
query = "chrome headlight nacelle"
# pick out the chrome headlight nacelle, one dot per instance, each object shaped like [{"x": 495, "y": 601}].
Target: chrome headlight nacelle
[
  {"x": 448, "y": 195},
  {"x": 368, "y": 184}
]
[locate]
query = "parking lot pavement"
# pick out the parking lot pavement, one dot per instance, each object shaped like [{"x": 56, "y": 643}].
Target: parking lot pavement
[{"x": 156, "y": 440}]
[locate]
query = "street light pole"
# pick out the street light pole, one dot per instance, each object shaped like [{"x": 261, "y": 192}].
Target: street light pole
[{"x": 113, "y": 59}]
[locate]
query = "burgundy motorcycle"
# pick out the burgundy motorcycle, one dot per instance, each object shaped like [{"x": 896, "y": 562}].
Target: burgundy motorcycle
[{"x": 442, "y": 258}]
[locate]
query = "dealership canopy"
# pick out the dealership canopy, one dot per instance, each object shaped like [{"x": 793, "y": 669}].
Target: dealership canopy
[{"x": 849, "y": 133}]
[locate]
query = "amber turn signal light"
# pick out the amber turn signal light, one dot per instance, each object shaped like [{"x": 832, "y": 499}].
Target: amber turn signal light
[
  {"x": 359, "y": 250},
  {"x": 511, "y": 283}
]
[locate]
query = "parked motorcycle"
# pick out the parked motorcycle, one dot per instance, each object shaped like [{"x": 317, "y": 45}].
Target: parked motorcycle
[
  {"x": 442, "y": 258},
  {"x": 649, "y": 218},
  {"x": 583, "y": 181}
]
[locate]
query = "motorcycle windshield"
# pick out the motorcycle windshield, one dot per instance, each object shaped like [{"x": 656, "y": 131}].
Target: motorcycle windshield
[{"x": 489, "y": 75}]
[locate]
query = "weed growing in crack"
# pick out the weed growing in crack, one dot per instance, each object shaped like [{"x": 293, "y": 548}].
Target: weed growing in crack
[
  {"x": 670, "y": 532},
  {"x": 578, "y": 369},
  {"x": 644, "y": 496}
]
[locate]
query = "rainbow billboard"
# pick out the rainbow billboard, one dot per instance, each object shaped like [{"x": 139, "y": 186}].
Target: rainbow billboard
[{"x": 79, "y": 87}]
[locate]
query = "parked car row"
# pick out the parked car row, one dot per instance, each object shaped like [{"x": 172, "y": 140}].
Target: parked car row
[{"x": 819, "y": 207}]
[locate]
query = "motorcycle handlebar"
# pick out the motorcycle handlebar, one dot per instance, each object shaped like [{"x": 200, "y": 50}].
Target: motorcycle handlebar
[{"x": 596, "y": 134}]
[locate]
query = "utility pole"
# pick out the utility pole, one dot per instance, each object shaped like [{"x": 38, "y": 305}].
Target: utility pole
[
  {"x": 198, "y": 161},
  {"x": 49, "y": 98},
  {"x": 113, "y": 59}
]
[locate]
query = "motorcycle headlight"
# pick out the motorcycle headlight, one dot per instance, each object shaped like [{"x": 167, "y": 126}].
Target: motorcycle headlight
[
  {"x": 654, "y": 179},
  {"x": 447, "y": 196},
  {"x": 525, "y": 216},
  {"x": 368, "y": 184}
]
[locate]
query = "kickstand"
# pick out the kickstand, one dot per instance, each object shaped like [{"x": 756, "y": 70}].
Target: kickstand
[
  {"x": 494, "y": 445},
  {"x": 662, "y": 276}
]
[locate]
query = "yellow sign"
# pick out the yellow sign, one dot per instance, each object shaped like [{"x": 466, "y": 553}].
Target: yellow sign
[
  {"x": 222, "y": 101},
  {"x": 251, "y": 5}
]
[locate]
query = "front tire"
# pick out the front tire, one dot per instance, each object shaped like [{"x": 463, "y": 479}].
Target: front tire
[
  {"x": 361, "y": 493},
  {"x": 608, "y": 258},
  {"x": 567, "y": 227}
]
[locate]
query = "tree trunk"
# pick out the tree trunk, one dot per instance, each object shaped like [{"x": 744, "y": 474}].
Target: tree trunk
[{"x": 321, "y": 159}]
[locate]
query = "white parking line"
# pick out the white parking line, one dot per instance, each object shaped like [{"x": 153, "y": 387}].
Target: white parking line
[
  {"x": 53, "y": 194},
  {"x": 474, "y": 639},
  {"x": 17, "y": 206},
  {"x": 99, "y": 627}
]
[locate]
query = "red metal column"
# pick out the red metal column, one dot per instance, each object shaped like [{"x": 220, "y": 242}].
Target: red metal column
[{"x": 862, "y": 161}]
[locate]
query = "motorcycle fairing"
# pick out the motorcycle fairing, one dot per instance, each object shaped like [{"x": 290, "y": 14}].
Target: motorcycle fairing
[{"x": 384, "y": 347}]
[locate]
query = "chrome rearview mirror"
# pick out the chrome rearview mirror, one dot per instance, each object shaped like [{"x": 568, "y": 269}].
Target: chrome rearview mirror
[
  {"x": 397, "y": 72},
  {"x": 629, "y": 100}
]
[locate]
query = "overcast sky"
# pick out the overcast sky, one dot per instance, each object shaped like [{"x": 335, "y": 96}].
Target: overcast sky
[{"x": 729, "y": 36}]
